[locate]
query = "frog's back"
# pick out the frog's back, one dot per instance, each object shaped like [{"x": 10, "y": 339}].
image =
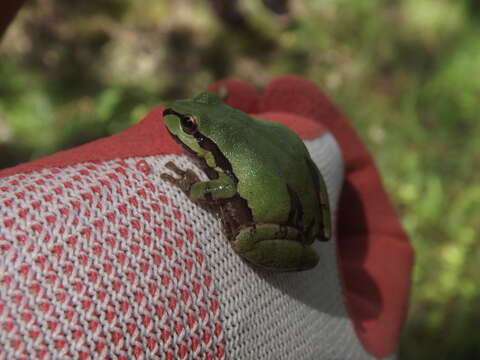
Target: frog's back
[{"x": 271, "y": 164}]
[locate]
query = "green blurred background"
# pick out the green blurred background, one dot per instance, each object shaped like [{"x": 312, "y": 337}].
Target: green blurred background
[{"x": 405, "y": 72}]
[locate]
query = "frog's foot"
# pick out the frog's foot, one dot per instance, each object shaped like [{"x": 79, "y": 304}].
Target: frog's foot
[
  {"x": 185, "y": 180},
  {"x": 275, "y": 248}
]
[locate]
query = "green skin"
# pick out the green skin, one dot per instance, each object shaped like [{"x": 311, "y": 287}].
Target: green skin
[{"x": 271, "y": 197}]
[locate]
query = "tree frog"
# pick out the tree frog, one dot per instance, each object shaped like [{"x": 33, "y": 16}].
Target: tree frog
[{"x": 270, "y": 196}]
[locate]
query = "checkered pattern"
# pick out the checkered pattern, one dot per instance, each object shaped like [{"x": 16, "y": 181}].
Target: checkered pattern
[{"x": 106, "y": 261}]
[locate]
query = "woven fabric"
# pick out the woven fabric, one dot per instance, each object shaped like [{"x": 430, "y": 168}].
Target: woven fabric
[
  {"x": 98, "y": 262},
  {"x": 105, "y": 260}
]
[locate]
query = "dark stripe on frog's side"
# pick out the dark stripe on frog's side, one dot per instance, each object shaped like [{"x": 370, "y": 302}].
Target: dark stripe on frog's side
[
  {"x": 220, "y": 160},
  {"x": 325, "y": 226},
  {"x": 309, "y": 228},
  {"x": 295, "y": 216}
]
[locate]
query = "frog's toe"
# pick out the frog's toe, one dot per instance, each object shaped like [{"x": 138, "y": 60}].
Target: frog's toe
[
  {"x": 171, "y": 165},
  {"x": 281, "y": 255}
]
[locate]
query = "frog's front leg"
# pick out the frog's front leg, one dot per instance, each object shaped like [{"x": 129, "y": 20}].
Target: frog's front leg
[
  {"x": 197, "y": 190},
  {"x": 275, "y": 248}
]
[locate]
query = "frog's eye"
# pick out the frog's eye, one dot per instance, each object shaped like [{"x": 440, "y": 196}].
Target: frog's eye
[{"x": 189, "y": 124}]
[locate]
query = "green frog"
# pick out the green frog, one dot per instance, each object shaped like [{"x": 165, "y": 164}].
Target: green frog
[{"x": 269, "y": 194}]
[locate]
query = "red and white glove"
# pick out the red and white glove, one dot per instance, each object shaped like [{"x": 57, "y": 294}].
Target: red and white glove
[{"x": 100, "y": 258}]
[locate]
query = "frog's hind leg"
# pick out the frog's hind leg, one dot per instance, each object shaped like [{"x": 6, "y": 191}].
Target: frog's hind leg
[
  {"x": 275, "y": 248},
  {"x": 282, "y": 255}
]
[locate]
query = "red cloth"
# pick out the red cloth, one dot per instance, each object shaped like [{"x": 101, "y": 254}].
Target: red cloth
[{"x": 374, "y": 254}]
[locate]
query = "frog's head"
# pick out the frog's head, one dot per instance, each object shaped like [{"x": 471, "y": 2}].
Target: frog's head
[{"x": 191, "y": 123}]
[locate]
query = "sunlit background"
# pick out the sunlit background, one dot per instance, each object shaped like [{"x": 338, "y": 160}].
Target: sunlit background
[{"x": 406, "y": 73}]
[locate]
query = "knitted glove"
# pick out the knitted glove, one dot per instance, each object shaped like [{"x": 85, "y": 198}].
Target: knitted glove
[{"x": 100, "y": 258}]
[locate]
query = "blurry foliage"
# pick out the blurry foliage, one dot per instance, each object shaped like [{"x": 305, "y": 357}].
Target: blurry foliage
[{"x": 406, "y": 73}]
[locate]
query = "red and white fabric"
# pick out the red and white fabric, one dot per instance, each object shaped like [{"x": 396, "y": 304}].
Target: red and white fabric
[{"x": 101, "y": 259}]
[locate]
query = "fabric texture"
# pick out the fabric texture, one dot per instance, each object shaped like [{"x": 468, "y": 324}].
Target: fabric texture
[
  {"x": 100, "y": 258},
  {"x": 98, "y": 262}
]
